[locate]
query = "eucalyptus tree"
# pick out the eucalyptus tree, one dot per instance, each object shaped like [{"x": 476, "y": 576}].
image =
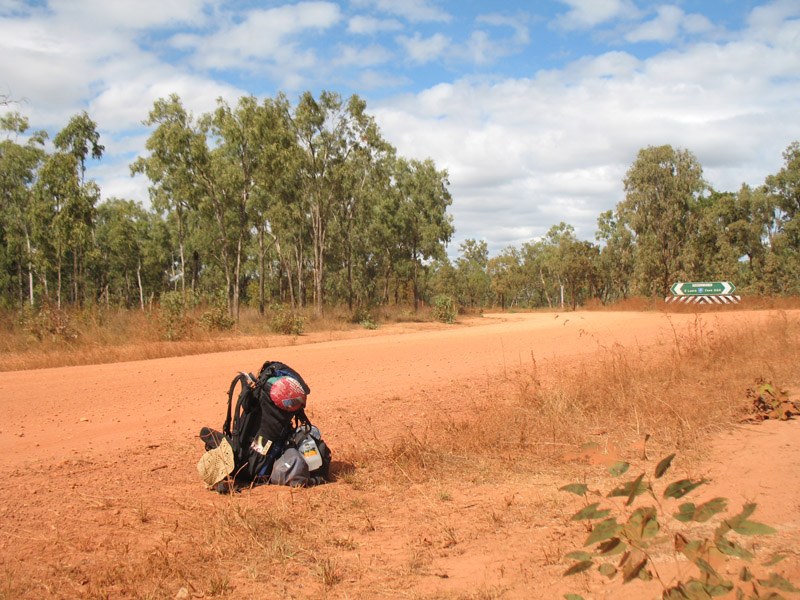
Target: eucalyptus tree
[
  {"x": 505, "y": 276},
  {"x": 366, "y": 178},
  {"x": 616, "y": 256},
  {"x": 119, "y": 241},
  {"x": 169, "y": 166},
  {"x": 58, "y": 193},
  {"x": 81, "y": 140},
  {"x": 328, "y": 132},
  {"x": 424, "y": 225},
  {"x": 472, "y": 280},
  {"x": 239, "y": 159},
  {"x": 662, "y": 188},
  {"x": 537, "y": 280},
  {"x": 19, "y": 165},
  {"x": 266, "y": 151},
  {"x": 783, "y": 190},
  {"x": 571, "y": 261}
]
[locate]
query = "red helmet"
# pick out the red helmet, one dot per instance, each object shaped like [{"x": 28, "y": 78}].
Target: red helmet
[{"x": 287, "y": 393}]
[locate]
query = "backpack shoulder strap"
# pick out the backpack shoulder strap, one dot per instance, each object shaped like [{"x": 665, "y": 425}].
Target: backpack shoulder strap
[{"x": 247, "y": 381}]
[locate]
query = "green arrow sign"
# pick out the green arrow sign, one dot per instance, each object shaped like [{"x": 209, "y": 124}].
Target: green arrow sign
[{"x": 707, "y": 288}]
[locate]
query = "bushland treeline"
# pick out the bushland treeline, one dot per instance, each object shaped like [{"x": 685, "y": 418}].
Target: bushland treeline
[
  {"x": 268, "y": 203},
  {"x": 671, "y": 226}
]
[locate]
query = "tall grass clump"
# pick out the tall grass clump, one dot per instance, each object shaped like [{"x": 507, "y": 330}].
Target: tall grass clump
[{"x": 674, "y": 394}]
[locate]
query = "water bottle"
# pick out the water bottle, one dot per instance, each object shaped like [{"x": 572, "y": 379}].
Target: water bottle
[{"x": 308, "y": 448}]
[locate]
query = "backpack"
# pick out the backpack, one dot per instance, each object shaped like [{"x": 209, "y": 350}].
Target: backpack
[{"x": 267, "y": 419}]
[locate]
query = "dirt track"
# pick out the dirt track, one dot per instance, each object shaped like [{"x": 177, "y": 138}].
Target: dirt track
[
  {"x": 47, "y": 415},
  {"x": 66, "y": 430}
]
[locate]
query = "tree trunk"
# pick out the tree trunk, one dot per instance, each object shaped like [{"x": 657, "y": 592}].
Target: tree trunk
[
  {"x": 544, "y": 288},
  {"x": 139, "y": 281},
  {"x": 30, "y": 269}
]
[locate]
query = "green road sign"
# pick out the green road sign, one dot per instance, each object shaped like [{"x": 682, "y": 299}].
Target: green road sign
[{"x": 707, "y": 288}]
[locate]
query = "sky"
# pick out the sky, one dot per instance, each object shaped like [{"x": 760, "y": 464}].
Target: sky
[{"x": 536, "y": 109}]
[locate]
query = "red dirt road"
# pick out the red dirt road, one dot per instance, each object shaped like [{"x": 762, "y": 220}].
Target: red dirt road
[
  {"x": 48, "y": 415},
  {"x": 135, "y": 424}
]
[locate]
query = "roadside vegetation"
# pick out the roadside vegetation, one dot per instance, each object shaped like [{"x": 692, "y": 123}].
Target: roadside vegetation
[{"x": 306, "y": 206}]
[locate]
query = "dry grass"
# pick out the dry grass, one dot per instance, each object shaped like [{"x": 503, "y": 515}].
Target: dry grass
[
  {"x": 94, "y": 336},
  {"x": 416, "y": 493}
]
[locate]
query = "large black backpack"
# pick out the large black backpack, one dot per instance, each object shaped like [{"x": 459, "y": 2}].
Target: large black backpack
[{"x": 257, "y": 429}]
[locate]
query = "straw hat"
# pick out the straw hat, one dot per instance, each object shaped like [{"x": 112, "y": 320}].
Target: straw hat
[{"x": 215, "y": 465}]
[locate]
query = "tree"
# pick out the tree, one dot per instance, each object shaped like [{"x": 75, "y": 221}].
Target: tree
[
  {"x": 174, "y": 186},
  {"x": 423, "y": 223},
  {"x": 79, "y": 139},
  {"x": 616, "y": 258},
  {"x": 783, "y": 193},
  {"x": 328, "y": 134},
  {"x": 571, "y": 262},
  {"x": 505, "y": 276},
  {"x": 119, "y": 235},
  {"x": 471, "y": 276},
  {"x": 18, "y": 170},
  {"x": 661, "y": 193}
]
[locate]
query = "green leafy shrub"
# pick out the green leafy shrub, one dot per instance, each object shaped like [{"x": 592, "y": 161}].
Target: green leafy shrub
[
  {"x": 216, "y": 318},
  {"x": 48, "y": 322},
  {"x": 444, "y": 309},
  {"x": 623, "y": 539},
  {"x": 363, "y": 317},
  {"x": 174, "y": 321},
  {"x": 285, "y": 322}
]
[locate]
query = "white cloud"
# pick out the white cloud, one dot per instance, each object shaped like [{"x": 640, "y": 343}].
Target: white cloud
[
  {"x": 555, "y": 147},
  {"x": 361, "y": 57},
  {"x": 132, "y": 14},
  {"x": 586, "y": 14},
  {"x": 415, "y": 11},
  {"x": 670, "y": 22},
  {"x": 263, "y": 35},
  {"x": 772, "y": 20},
  {"x": 370, "y": 79},
  {"x": 519, "y": 23},
  {"x": 126, "y": 102},
  {"x": 421, "y": 50},
  {"x": 663, "y": 28},
  {"x": 371, "y": 26}
]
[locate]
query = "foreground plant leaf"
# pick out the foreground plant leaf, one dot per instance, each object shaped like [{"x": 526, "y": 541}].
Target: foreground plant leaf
[
  {"x": 630, "y": 489},
  {"x": 634, "y": 571},
  {"x": 591, "y": 512},
  {"x": 663, "y": 466},
  {"x": 752, "y": 528},
  {"x": 579, "y": 489},
  {"x": 608, "y": 570},
  {"x": 733, "y": 549},
  {"x": 709, "y": 509},
  {"x": 643, "y": 524},
  {"x": 603, "y": 531},
  {"x": 578, "y": 567},
  {"x": 612, "y": 547},
  {"x": 678, "y": 489},
  {"x": 618, "y": 468},
  {"x": 774, "y": 559},
  {"x": 779, "y": 583},
  {"x": 579, "y": 555}
]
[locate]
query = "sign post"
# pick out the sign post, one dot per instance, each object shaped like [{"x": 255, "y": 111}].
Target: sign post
[{"x": 711, "y": 292}]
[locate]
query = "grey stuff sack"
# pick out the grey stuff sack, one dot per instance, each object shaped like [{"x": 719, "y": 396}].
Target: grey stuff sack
[{"x": 290, "y": 469}]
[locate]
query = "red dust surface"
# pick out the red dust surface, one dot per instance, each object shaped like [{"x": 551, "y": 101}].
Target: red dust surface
[{"x": 70, "y": 438}]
